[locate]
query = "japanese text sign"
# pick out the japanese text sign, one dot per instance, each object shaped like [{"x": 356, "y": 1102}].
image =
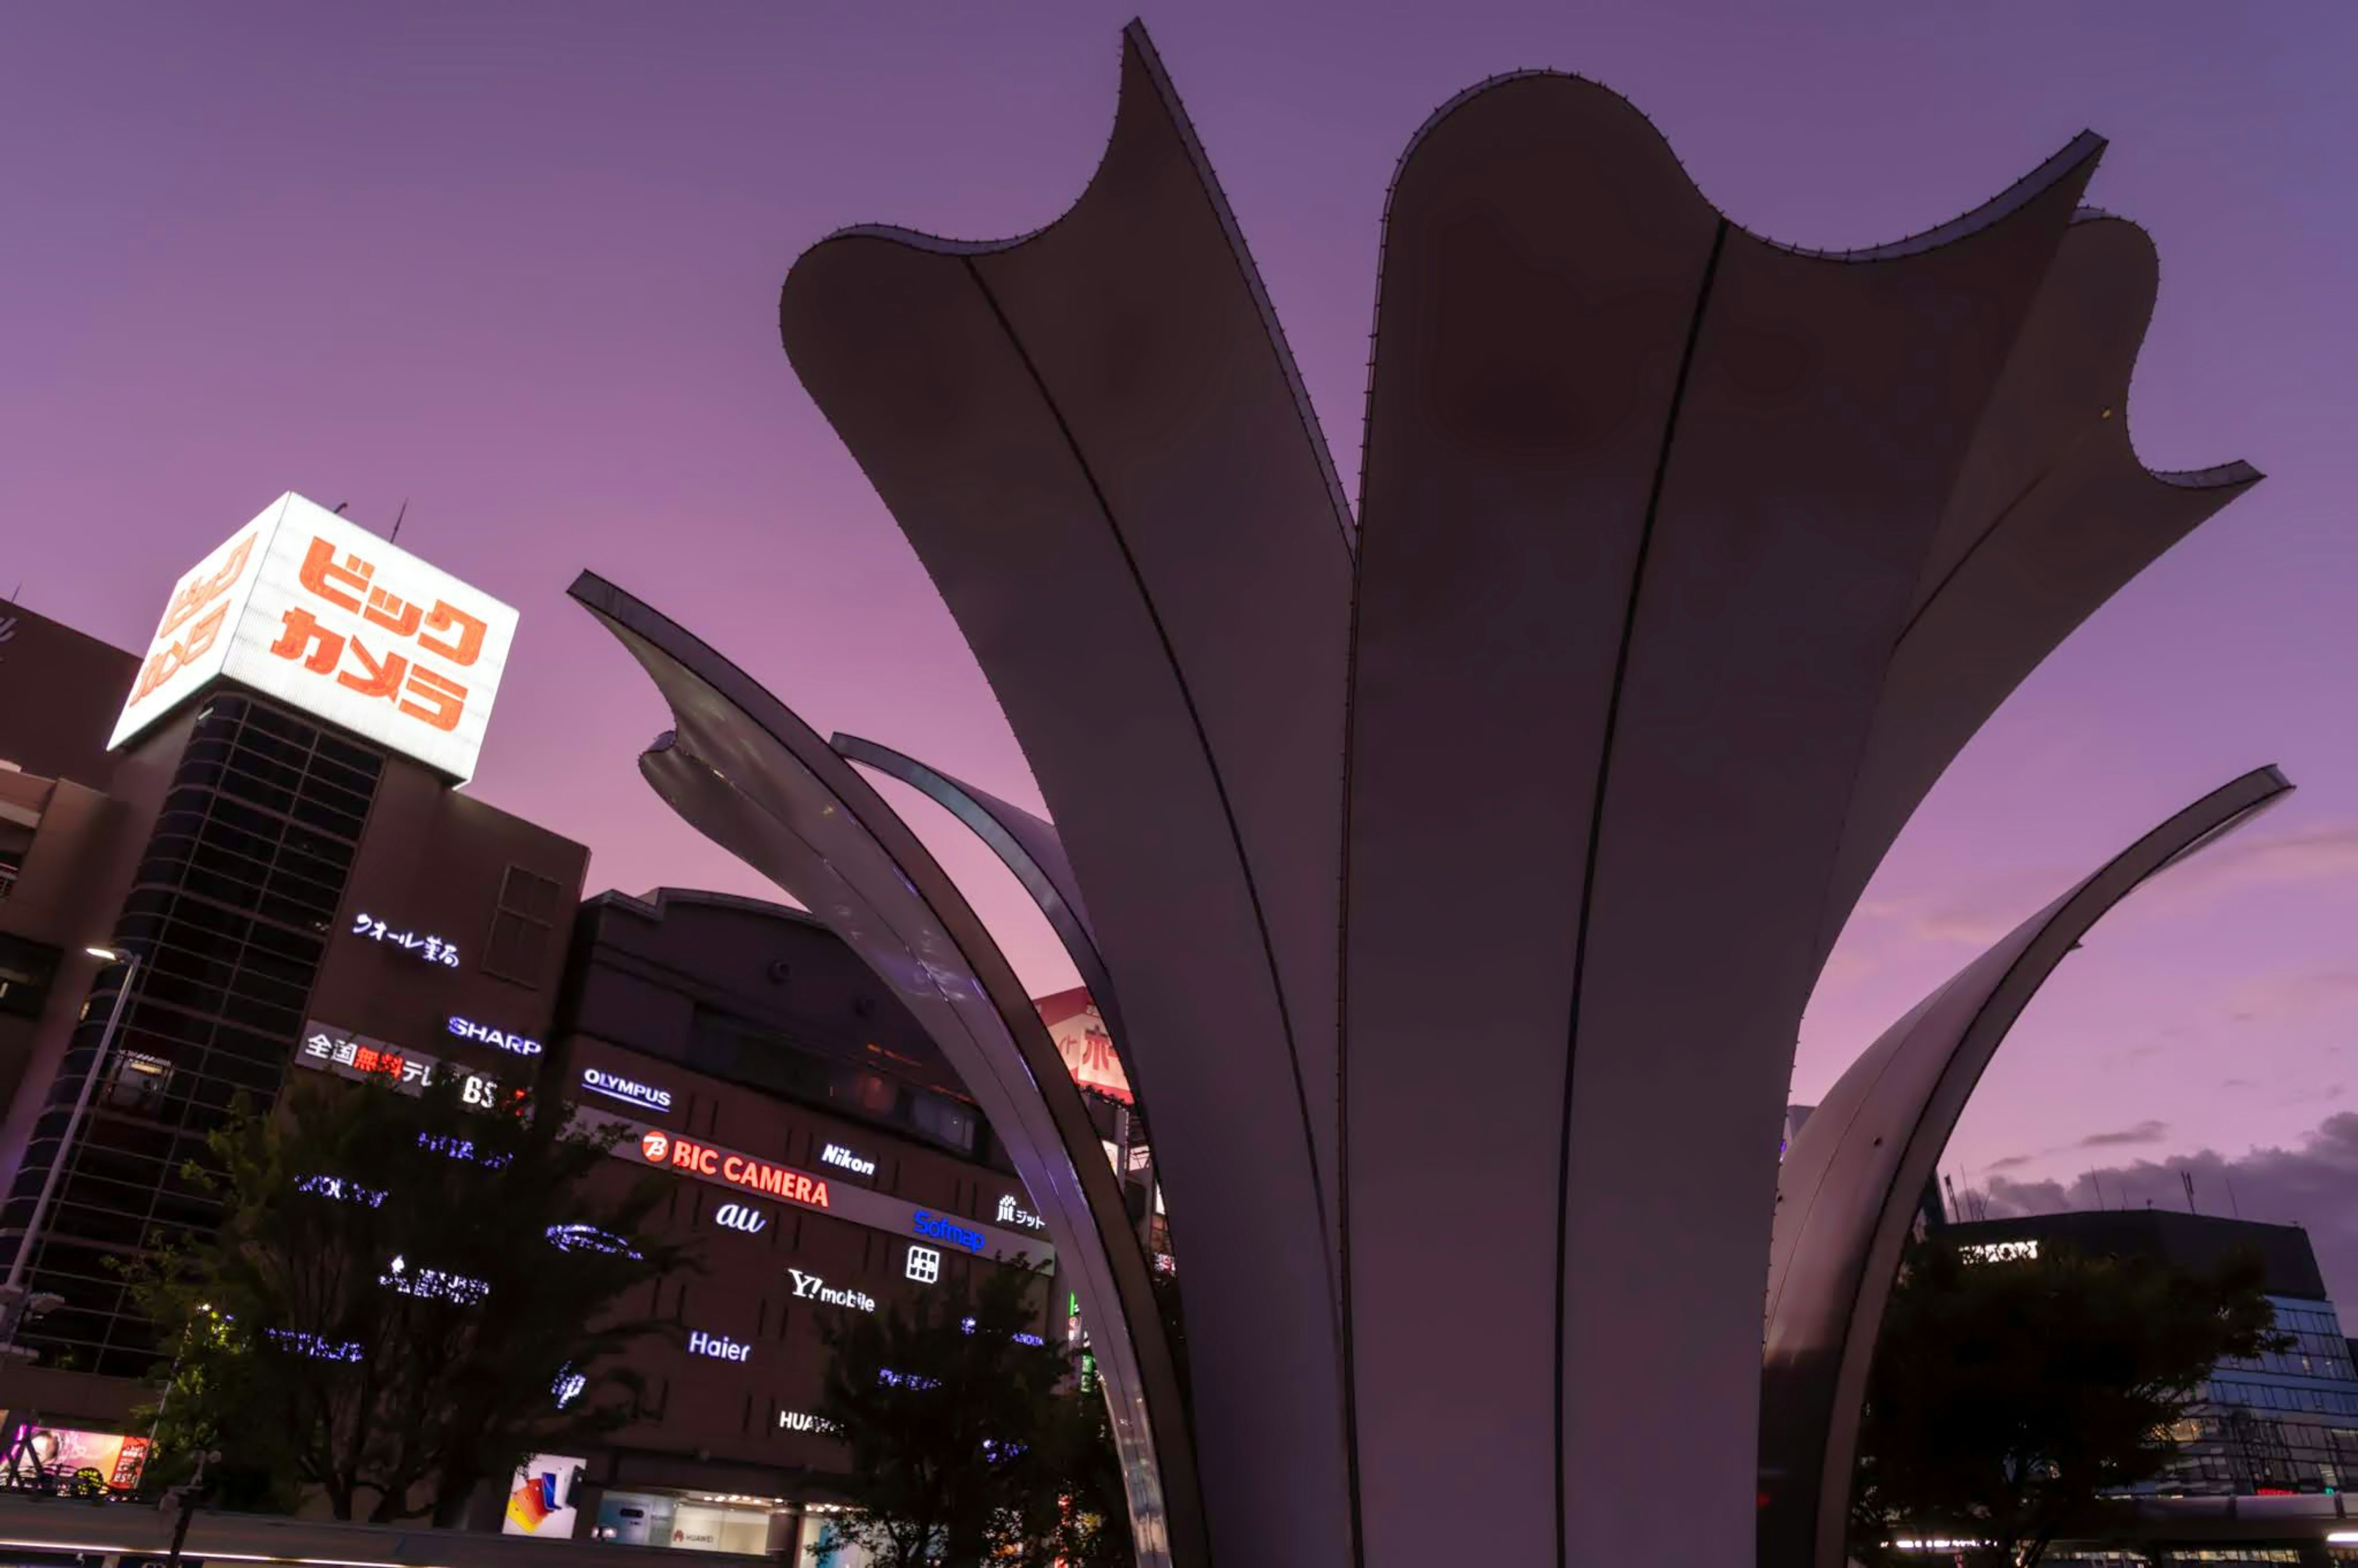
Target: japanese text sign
[{"x": 318, "y": 611}]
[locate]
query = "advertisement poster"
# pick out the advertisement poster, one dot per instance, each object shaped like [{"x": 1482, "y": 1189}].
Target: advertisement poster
[
  {"x": 541, "y": 1502},
  {"x": 63, "y": 1452},
  {"x": 1081, "y": 1039}
]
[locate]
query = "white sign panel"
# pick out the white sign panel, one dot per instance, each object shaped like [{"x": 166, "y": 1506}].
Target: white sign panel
[{"x": 320, "y": 612}]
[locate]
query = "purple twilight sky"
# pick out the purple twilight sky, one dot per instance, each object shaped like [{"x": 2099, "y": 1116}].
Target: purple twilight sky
[{"x": 519, "y": 265}]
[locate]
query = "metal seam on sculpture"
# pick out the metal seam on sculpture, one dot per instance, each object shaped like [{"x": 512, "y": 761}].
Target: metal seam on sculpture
[
  {"x": 1219, "y": 783},
  {"x": 1595, "y": 831}
]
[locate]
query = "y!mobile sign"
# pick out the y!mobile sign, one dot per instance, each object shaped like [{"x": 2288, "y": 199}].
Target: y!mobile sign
[{"x": 321, "y": 613}]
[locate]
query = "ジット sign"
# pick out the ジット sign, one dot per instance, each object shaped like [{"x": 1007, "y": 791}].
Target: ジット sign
[{"x": 314, "y": 609}]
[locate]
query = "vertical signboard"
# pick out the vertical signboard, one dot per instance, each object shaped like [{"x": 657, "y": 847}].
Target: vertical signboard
[{"x": 320, "y": 612}]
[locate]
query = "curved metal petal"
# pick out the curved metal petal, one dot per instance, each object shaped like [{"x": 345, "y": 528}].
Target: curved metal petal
[
  {"x": 1024, "y": 844},
  {"x": 1847, "y": 1194},
  {"x": 1646, "y": 498},
  {"x": 1098, "y": 444},
  {"x": 744, "y": 770}
]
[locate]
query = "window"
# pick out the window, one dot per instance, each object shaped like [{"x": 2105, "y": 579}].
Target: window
[
  {"x": 518, "y": 948},
  {"x": 12, "y": 862},
  {"x": 138, "y": 1082},
  {"x": 26, "y": 969}
]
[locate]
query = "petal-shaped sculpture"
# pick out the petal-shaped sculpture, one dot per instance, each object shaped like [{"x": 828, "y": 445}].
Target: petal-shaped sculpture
[
  {"x": 1025, "y": 845},
  {"x": 1103, "y": 418},
  {"x": 744, "y": 770},
  {"x": 1848, "y": 1191},
  {"x": 1686, "y": 561}
]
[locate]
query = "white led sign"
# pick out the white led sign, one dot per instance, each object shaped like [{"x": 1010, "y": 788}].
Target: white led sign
[
  {"x": 802, "y": 1421},
  {"x": 740, "y": 1216},
  {"x": 925, "y": 1265},
  {"x": 1012, "y": 1213},
  {"x": 1999, "y": 1253},
  {"x": 719, "y": 1346},
  {"x": 433, "y": 949},
  {"x": 318, "y": 611},
  {"x": 485, "y": 1035},
  {"x": 629, "y": 1091},
  {"x": 836, "y": 1154},
  {"x": 810, "y": 1287}
]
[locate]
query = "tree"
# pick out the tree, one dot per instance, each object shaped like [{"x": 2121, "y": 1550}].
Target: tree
[
  {"x": 972, "y": 1440},
  {"x": 2008, "y": 1398},
  {"x": 406, "y": 1297}
]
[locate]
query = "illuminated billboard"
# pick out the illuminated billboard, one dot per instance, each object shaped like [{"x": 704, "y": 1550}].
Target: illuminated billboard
[
  {"x": 1081, "y": 1040},
  {"x": 320, "y": 612}
]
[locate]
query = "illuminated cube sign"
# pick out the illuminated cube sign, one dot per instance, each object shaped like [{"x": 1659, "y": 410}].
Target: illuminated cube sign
[{"x": 318, "y": 611}]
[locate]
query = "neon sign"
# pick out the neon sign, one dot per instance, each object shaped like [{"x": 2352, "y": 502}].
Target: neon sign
[
  {"x": 719, "y": 1346},
  {"x": 313, "y": 1346},
  {"x": 925, "y": 1265},
  {"x": 658, "y": 1148},
  {"x": 590, "y": 1239},
  {"x": 1012, "y": 1213},
  {"x": 483, "y": 1033},
  {"x": 629, "y": 1091},
  {"x": 935, "y": 1227},
  {"x": 810, "y": 1287},
  {"x": 800, "y": 1421},
  {"x": 740, "y": 1216},
  {"x": 433, "y": 1283},
  {"x": 433, "y": 949},
  {"x": 836, "y": 1154}
]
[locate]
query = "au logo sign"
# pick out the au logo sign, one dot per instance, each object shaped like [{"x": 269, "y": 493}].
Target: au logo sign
[{"x": 738, "y": 1216}]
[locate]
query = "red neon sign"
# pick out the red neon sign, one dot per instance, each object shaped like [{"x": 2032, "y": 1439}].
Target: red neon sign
[{"x": 659, "y": 1148}]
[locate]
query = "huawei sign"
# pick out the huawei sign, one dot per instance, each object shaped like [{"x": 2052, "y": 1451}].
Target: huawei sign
[{"x": 320, "y": 612}]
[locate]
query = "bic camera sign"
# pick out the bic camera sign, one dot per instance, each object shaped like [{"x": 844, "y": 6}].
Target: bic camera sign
[{"x": 321, "y": 613}]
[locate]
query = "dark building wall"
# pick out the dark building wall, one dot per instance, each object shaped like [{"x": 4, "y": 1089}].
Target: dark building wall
[
  {"x": 804, "y": 1013},
  {"x": 438, "y": 864},
  {"x": 2199, "y": 1242},
  {"x": 59, "y": 692}
]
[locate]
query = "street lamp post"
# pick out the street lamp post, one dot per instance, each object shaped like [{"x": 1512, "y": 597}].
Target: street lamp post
[{"x": 13, "y": 1300}]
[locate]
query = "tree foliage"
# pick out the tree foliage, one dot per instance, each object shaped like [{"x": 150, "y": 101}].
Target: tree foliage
[
  {"x": 402, "y": 1292},
  {"x": 2008, "y": 1398},
  {"x": 971, "y": 1441}
]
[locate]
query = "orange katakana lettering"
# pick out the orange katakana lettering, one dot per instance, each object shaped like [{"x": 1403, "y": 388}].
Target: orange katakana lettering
[
  {"x": 470, "y": 642},
  {"x": 321, "y": 575},
  {"x": 383, "y": 677},
  {"x": 449, "y": 697},
  {"x": 204, "y": 590},
  {"x": 300, "y": 630},
  {"x": 396, "y": 616},
  {"x": 170, "y": 660}
]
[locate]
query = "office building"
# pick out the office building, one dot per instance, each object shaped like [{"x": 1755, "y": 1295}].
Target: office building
[
  {"x": 259, "y": 819},
  {"x": 2283, "y": 1423}
]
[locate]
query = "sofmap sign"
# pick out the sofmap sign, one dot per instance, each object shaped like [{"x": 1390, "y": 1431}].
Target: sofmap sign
[{"x": 318, "y": 611}]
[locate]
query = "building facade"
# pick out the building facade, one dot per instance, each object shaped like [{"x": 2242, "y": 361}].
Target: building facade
[
  {"x": 2283, "y": 1423},
  {"x": 251, "y": 880}
]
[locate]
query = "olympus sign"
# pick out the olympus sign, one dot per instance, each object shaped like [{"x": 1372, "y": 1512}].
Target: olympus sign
[
  {"x": 810, "y": 1287},
  {"x": 628, "y": 1090},
  {"x": 468, "y": 1029},
  {"x": 740, "y": 1216}
]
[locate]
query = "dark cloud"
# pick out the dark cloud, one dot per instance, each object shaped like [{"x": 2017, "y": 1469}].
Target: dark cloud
[
  {"x": 2143, "y": 1132},
  {"x": 2011, "y": 1162},
  {"x": 2312, "y": 1185}
]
